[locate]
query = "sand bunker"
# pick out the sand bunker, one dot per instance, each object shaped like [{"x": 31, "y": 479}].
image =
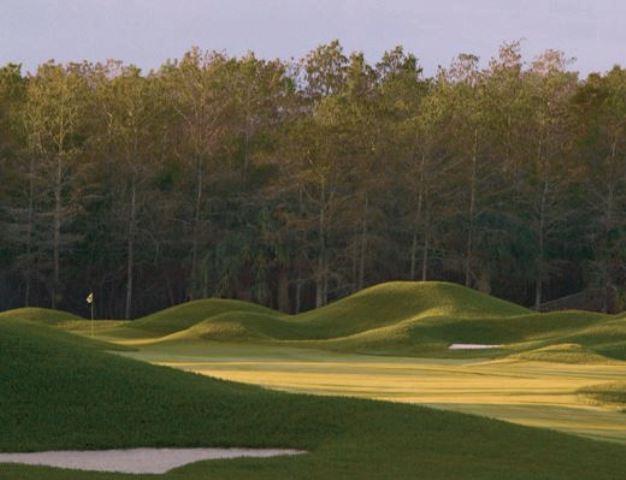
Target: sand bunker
[
  {"x": 472, "y": 346},
  {"x": 138, "y": 460}
]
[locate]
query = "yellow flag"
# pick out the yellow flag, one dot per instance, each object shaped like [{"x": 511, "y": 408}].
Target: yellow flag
[{"x": 89, "y": 298}]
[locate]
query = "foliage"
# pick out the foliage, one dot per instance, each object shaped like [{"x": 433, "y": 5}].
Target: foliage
[{"x": 293, "y": 184}]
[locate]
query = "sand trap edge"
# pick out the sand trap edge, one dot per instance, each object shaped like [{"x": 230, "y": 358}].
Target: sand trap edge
[{"x": 137, "y": 460}]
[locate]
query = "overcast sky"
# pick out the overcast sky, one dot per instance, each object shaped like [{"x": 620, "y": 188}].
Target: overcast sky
[{"x": 146, "y": 32}]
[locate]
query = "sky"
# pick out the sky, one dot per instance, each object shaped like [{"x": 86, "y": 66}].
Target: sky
[{"x": 147, "y": 32}]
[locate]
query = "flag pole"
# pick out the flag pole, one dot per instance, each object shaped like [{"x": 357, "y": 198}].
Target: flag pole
[
  {"x": 90, "y": 301},
  {"x": 91, "y": 318}
]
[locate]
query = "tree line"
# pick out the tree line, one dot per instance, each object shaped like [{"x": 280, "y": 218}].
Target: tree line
[{"x": 293, "y": 183}]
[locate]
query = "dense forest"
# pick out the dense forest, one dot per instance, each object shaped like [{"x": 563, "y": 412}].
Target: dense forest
[{"x": 293, "y": 183}]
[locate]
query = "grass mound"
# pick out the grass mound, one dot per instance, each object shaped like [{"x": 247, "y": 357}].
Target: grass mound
[
  {"x": 239, "y": 326},
  {"x": 432, "y": 335},
  {"x": 562, "y": 353},
  {"x": 29, "y": 330},
  {"x": 43, "y": 315},
  {"x": 376, "y": 307},
  {"x": 395, "y": 302},
  {"x": 395, "y": 318},
  {"x": 607, "y": 393},
  {"x": 58, "y": 393},
  {"x": 181, "y": 317},
  {"x": 607, "y": 338}
]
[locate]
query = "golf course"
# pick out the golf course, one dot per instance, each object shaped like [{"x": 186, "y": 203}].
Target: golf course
[
  {"x": 309, "y": 240},
  {"x": 366, "y": 387}
]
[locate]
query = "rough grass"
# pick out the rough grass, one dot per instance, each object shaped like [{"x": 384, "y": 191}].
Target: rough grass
[{"x": 59, "y": 393}]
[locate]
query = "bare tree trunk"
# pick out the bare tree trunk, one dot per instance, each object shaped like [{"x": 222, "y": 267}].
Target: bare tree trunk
[
  {"x": 418, "y": 219},
  {"x": 541, "y": 242},
  {"x": 299, "y": 280},
  {"x": 170, "y": 291},
  {"x": 131, "y": 249},
  {"x": 196, "y": 227},
  {"x": 283, "y": 291},
  {"x": 472, "y": 208},
  {"x": 205, "y": 279},
  {"x": 321, "y": 284},
  {"x": 29, "y": 231},
  {"x": 354, "y": 248},
  {"x": 56, "y": 240},
  {"x": 425, "y": 250},
  {"x": 325, "y": 284},
  {"x": 246, "y": 147},
  {"x": 608, "y": 225},
  {"x": 298, "y": 296},
  {"x": 363, "y": 246}
]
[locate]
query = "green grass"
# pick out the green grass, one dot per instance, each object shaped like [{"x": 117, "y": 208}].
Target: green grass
[
  {"x": 396, "y": 302},
  {"x": 181, "y": 317},
  {"x": 43, "y": 315},
  {"x": 238, "y": 326},
  {"x": 396, "y": 318},
  {"x": 35, "y": 319},
  {"x": 607, "y": 393},
  {"x": 384, "y": 305},
  {"x": 58, "y": 392},
  {"x": 562, "y": 353},
  {"x": 431, "y": 335}
]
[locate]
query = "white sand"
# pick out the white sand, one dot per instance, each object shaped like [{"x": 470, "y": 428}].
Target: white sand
[
  {"x": 138, "y": 460},
  {"x": 472, "y": 346}
]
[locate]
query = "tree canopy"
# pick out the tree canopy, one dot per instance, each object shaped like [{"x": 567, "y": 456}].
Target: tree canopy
[{"x": 293, "y": 183}]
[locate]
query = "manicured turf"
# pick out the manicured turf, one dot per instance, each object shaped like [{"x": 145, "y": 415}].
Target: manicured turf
[
  {"x": 59, "y": 393},
  {"x": 188, "y": 314},
  {"x": 563, "y": 353},
  {"x": 396, "y": 318},
  {"x": 607, "y": 393},
  {"x": 44, "y": 315},
  {"x": 537, "y": 393}
]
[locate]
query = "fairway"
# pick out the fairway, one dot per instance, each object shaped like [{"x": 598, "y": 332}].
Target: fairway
[{"x": 538, "y": 394}]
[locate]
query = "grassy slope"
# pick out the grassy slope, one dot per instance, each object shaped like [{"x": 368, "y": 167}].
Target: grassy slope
[
  {"x": 607, "y": 338},
  {"x": 415, "y": 334},
  {"x": 395, "y": 302},
  {"x": 186, "y": 315},
  {"x": 396, "y": 318},
  {"x": 562, "y": 353},
  {"x": 59, "y": 393},
  {"x": 32, "y": 319},
  {"x": 380, "y": 306},
  {"x": 607, "y": 393},
  {"x": 43, "y": 315}
]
